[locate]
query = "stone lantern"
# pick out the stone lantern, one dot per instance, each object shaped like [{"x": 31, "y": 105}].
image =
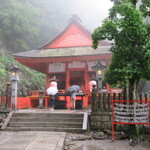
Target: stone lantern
[
  {"x": 14, "y": 77},
  {"x": 99, "y": 68}
]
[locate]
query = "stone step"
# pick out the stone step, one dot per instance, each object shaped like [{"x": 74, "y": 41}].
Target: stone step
[
  {"x": 46, "y": 119},
  {"x": 56, "y": 129},
  {"x": 46, "y": 124},
  {"x": 61, "y": 122},
  {"x": 48, "y": 115}
]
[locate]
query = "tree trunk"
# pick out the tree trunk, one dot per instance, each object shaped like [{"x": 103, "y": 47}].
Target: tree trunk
[
  {"x": 133, "y": 92},
  {"x": 133, "y": 95}
]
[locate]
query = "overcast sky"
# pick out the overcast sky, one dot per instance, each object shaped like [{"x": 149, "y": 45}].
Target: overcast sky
[{"x": 92, "y": 12}]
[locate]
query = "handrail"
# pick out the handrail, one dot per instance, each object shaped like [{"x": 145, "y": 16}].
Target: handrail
[{"x": 7, "y": 120}]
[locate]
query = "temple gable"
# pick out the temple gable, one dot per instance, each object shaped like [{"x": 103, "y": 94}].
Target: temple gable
[{"x": 73, "y": 36}]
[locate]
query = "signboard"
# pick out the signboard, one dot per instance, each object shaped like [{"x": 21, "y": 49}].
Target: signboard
[
  {"x": 130, "y": 112},
  {"x": 137, "y": 113}
]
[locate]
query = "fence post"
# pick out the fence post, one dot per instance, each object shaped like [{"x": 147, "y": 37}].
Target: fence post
[
  {"x": 100, "y": 105},
  {"x": 94, "y": 93},
  {"x": 104, "y": 101},
  {"x": 114, "y": 96},
  {"x": 146, "y": 97}
]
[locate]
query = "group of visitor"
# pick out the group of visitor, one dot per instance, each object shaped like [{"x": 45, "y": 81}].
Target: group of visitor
[{"x": 71, "y": 91}]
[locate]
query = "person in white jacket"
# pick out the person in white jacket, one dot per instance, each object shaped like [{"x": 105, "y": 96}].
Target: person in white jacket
[{"x": 51, "y": 91}]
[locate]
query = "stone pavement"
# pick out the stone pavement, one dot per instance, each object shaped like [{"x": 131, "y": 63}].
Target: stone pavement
[{"x": 34, "y": 140}]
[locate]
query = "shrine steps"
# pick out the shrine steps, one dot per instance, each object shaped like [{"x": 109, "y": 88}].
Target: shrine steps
[{"x": 60, "y": 122}]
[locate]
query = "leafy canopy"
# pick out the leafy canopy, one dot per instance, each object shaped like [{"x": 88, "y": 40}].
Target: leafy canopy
[
  {"x": 144, "y": 8},
  {"x": 130, "y": 52},
  {"x": 29, "y": 79},
  {"x": 19, "y": 24},
  {"x": 28, "y": 24}
]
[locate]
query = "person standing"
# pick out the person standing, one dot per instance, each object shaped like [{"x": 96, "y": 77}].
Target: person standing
[
  {"x": 52, "y": 102},
  {"x": 72, "y": 90},
  {"x": 73, "y": 101},
  {"x": 51, "y": 91}
]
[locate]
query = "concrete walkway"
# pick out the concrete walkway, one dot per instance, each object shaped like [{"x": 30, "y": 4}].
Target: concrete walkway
[{"x": 33, "y": 140}]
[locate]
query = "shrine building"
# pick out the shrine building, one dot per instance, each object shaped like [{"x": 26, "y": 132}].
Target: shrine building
[{"x": 69, "y": 57}]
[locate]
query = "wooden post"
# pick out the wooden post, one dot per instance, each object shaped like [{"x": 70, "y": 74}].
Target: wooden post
[
  {"x": 104, "y": 101},
  {"x": 114, "y": 96},
  {"x": 93, "y": 98},
  {"x": 146, "y": 97},
  {"x": 141, "y": 97},
  {"x": 100, "y": 101}
]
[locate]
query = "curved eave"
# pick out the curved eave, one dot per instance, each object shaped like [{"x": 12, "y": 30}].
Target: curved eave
[
  {"x": 41, "y": 64},
  {"x": 62, "y": 59},
  {"x": 39, "y": 59}
]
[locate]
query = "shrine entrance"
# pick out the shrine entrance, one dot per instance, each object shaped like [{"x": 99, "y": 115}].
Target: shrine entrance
[{"x": 77, "y": 78}]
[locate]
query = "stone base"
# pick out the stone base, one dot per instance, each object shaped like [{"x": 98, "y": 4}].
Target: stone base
[{"x": 100, "y": 121}]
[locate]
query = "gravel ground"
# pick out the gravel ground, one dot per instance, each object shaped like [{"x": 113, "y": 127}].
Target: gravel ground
[{"x": 73, "y": 142}]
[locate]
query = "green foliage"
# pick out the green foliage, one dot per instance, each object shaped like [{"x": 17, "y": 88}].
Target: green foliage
[
  {"x": 131, "y": 49},
  {"x": 29, "y": 79},
  {"x": 145, "y": 8},
  {"x": 28, "y": 24},
  {"x": 3, "y": 73},
  {"x": 18, "y": 23},
  {"x": 130, "y": 60}
]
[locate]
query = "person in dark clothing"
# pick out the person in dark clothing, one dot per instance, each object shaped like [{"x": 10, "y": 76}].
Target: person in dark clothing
[{"x": 52, "y": 102}]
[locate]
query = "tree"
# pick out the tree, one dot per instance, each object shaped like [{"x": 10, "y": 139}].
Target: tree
[
  {"x": 19, "y": 24},
  {"x": 29, "y": 79},
  {"x": 28, "y": 24},
  {"x": 144, "y": 8},
  {"x": 132, "y": 1},
  {"x": 131, "y": 48}
]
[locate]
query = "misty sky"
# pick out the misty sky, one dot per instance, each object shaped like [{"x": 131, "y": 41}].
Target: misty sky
[{"x": 92, "y": 12}]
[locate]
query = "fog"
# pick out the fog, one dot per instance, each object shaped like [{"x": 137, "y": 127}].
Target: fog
[
  {"x": 59, "y": 12},
  {"x": 92, "y": 12},
  {"x": 42, "y": 20}
]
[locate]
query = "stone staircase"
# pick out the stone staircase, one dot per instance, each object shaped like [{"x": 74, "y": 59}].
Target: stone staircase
[{"x": 60, "y": 122}]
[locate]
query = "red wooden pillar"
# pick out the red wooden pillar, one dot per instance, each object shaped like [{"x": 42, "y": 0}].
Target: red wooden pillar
[
  {"x": 47, "y": 81},
  {"x": 86, "y": 86},
  {"x": 46, "y": 101},
  {"x": 47, "y": 77},
  {"x": 67, "y": 76},
  {"x": 68, "y": 103}
]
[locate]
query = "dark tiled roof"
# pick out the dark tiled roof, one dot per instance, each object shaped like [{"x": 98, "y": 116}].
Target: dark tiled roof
[{"x": 65, "y": 52}]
